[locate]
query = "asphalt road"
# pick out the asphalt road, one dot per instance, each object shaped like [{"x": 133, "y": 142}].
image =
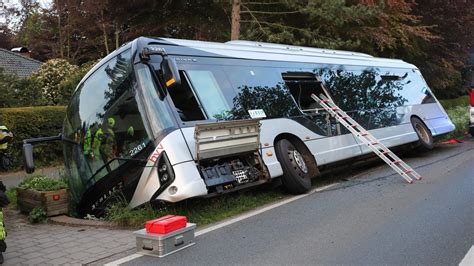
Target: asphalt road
[{"x": 373, "y": 217}]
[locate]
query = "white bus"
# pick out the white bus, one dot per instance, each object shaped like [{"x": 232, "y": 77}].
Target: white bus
[{"x": 167, "y": 120}]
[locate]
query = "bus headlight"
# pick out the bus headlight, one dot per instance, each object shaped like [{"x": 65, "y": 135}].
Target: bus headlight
[{"x": 165, "y": 170}]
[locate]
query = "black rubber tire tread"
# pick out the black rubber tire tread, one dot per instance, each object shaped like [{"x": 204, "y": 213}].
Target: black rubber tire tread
[
  {"x": 293, "y": 179},
  {"x": 471, "y": 131},
  {"x": 422, "y": 145}
]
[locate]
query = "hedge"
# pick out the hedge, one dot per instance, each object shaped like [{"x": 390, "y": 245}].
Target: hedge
[
  {"x": 32, "y": 122},
  {"x": 461, "y": 101}
]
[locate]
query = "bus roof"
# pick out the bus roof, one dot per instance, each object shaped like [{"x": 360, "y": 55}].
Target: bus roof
[
  {"x": 258, "y": 51},
  {"x": 276, "y": 52}
]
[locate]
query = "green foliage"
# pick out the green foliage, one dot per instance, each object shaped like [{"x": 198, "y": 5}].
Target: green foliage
[
  {"x": 122, "y": 215},
  {"x": 42, "y": 183},
  {"x": 37, "y": 215},
  {"x": 16, "y": 91},
  {"x": 32, "y": 122},
  {"x": 451, "y": 103},
  {"x": 49, "y": 77},
  {"x": 459, "y": 115},
  {"x": 11, "y": 195}
]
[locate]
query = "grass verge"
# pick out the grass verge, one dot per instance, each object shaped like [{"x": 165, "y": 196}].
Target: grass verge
[
  {"x": 199, "y": 211},
  {"x": 459, "y": 115}
]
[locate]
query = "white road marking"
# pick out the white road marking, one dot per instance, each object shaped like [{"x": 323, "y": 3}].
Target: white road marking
[
  {"x": 469, "y": 258},
  {"x": 233, "y": 220},
  {"x": 259, "y": 211},
  {"x": 124, "y": 259}
]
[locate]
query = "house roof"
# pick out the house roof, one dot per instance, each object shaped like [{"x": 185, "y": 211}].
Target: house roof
[{"x": 14, "y": 63}]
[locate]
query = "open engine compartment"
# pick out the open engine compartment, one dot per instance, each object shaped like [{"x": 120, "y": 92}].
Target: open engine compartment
[{"x": 228, "y": 155}]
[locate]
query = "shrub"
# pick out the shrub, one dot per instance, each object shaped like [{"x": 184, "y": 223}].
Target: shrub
[
  {"x": 42, "y": 183},
  {"x": 17, "y": 91},
  {"x": 33, "y": 122},
  {"x": 49, "y": 77},
  {"x": 37, "y": 215},
  {"x": 461, "y": 101},
  {"x": 459, "y": 115}
]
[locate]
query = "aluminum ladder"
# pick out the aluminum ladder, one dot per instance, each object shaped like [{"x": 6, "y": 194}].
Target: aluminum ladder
[{"x": 374, "y": 144}]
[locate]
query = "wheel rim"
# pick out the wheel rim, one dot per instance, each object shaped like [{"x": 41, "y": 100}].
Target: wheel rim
[
  {"x": 420, "y": 130},
  {"x": 299, "y": 161}
]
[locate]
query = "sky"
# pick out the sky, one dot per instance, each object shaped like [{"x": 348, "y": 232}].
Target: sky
[
  {"x": 16, "y": 3},
  {"x": 43, "y": 3}
]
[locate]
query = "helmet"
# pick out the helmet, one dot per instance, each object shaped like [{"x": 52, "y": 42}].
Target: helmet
[
  {"x": 131, "y": 131},
  {"x": 111, "y": 121}
]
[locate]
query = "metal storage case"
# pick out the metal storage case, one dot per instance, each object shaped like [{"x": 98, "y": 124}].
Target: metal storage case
[{"x": 161, "y": 245}]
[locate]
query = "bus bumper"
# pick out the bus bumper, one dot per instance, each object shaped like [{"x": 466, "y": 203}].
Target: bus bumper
[{"x": 187, "y": 184}]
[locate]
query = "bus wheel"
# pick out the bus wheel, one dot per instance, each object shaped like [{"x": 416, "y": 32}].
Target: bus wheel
[
  {"x": 425, "y": 137},
  {"x": 296, "y": 178}
]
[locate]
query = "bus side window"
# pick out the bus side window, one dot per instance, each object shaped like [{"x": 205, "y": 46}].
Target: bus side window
[
  {"x": 301, "y": 86},
  {"x": 185, "y": 101}
]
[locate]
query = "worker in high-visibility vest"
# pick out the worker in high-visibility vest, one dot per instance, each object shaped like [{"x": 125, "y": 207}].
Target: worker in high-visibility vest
[
  {"x": 3, "y": 233},
  {"x": 104, "y": 145},
  {"x": 5, "y": 137}
]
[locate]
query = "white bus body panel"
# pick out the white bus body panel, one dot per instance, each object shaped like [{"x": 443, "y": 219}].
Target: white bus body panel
[
  {"x": 188, "y": 182},
  {"x": 326, "y": 150},
  {"x": 187, "y": 178}
]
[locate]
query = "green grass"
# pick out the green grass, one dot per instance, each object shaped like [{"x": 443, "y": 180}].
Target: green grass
[
  {"x": 458, "y": 112},
  {"x": 199, "y": 211},
  {"x": 11, "y": 195},
  {"x": 452, "y": 103}
]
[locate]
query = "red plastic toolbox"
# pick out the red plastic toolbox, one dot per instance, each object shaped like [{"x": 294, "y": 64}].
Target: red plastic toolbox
[{"x": 166, "y": 224}]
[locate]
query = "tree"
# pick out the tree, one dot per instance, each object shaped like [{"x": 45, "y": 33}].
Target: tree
[
  {"x": 6, "y": 38},
  {"x": 453, "y": 22}
]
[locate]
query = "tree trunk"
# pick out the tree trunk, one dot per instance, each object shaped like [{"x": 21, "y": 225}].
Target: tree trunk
[
  {"x": 235, "y": 27},
  {"x": 61, "y": 49},
  {"x": 117, "y": 36},
  {"x": 104, "y": 34}
]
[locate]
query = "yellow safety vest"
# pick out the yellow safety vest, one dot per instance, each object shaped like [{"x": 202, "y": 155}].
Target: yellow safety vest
[
  {"x": 4, "y": 133},
  {"x": 3, "y": 233}
]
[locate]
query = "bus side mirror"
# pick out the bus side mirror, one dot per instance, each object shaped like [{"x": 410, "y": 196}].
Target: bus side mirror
[
  {"x": 28, "y": 158},
  {"x": 170, "y": 72}
]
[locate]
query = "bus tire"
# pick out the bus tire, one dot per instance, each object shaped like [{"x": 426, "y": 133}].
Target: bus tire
[
  {"x": 425, "y": 138},
  {"x": 296, "y": 178}
]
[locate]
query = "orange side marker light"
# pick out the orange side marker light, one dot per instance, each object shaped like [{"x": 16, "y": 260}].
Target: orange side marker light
[{"x": 170, "y": 82}]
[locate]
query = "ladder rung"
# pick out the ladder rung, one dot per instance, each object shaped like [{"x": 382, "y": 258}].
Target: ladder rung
[{"x": 392, "y": 160}]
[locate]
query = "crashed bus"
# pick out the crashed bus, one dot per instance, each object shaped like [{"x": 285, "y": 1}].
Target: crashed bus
[{"x": 167, "y": 120}]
